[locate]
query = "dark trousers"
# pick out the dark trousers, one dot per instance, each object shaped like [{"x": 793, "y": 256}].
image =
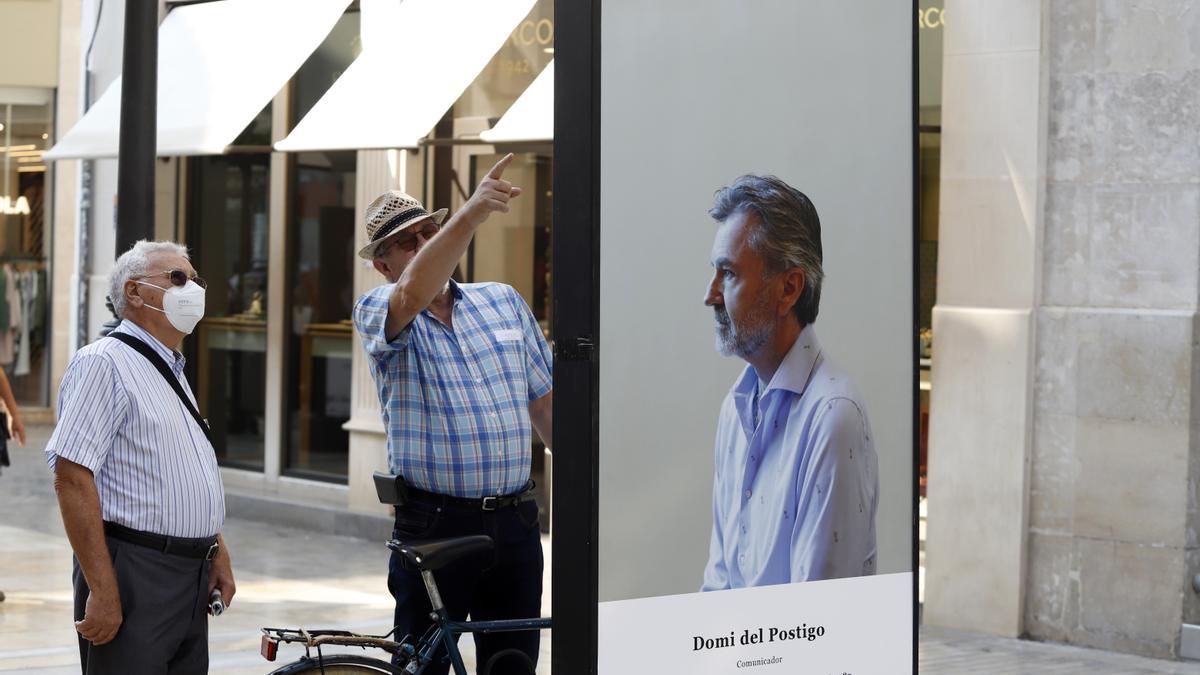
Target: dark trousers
[
  {"x": 165, "y": 624},
  {"x": 507, "y": 585}
]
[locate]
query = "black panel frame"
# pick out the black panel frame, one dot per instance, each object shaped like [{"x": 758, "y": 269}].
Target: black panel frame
[
  {"x": 576, "y": 315},
  {"x": 916, "y": 334},
  {"x": 576, "y": 295}
]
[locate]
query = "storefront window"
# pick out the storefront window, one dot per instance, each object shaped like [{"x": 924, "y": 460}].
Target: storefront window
[
  {"x": 24, "y": 244},
  {"x": 515, "y": 248},
  {"x": 931, "y": 20},
  {"x": 227, "y": 234},
  {"x": 320, "y": 242},
  {"x": 319, "y": 293}
]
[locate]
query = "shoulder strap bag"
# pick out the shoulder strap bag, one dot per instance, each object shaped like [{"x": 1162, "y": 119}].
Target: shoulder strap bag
[{"x": 156, "y": 360}]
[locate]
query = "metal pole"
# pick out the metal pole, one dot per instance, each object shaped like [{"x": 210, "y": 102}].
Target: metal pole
[
  {"x": 139, "y": 128},
  {"x": 139, "y": 99}
]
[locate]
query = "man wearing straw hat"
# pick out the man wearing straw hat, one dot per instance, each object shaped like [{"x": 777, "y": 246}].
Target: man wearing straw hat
[{"x": 462, "y": 371}]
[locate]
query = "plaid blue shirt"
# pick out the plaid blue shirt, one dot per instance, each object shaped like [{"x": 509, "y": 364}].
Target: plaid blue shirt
[{"x": 456, "y": 401}]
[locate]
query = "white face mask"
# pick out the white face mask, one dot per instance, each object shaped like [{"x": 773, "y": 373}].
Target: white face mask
[{"x": 183, "y": 305}]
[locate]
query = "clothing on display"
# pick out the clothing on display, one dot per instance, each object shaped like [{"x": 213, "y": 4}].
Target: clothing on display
[{"x": 22, "y": 318}]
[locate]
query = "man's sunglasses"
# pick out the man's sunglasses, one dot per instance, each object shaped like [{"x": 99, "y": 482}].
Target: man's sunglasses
[
  {"x": 178, "y": 278},
  {"x": 408, "y": 240}
]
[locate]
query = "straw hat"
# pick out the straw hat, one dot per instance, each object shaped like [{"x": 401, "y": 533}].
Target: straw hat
[{"x": 389, "y": 214}]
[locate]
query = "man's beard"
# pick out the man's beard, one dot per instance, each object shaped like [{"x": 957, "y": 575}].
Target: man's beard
[{"x": 746, "y": 337}]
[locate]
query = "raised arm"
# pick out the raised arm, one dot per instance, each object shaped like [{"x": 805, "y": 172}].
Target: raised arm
[{"x": 429, "y": 270}]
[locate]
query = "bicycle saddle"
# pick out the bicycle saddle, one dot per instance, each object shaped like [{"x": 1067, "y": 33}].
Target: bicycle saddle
[{"x": 434, "y": 554}]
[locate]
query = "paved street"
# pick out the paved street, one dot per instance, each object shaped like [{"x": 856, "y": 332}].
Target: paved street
[
  {"x": 289, "y": 578},
  {"x": 285, "y": 578},
  {"x": 947, "y": 652}
]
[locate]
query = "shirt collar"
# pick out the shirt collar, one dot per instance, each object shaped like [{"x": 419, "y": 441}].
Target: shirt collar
[
  {"x": 793, "y": 372},
  {"x": 172, "y": 357},
  {"x": 455, "y": 292},
  {"x": 791, "y": 375}
]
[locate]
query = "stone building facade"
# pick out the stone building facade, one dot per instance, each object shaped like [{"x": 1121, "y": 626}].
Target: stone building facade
[{"x": 1065, "y": 422}]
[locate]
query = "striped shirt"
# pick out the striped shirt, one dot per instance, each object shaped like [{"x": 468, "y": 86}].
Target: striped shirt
[
  {"x": 154, "y": 469},
  {"x": 455, "y": 401}
]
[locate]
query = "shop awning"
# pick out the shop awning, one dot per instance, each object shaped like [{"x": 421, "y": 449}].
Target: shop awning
[
  {"x": 219, "y": 64},
  {"x": 398, "y": 89},
  {"x": 531, "y": 117}
]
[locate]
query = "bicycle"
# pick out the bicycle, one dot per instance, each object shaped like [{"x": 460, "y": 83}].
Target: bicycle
[{"x": 438, "y": 644}]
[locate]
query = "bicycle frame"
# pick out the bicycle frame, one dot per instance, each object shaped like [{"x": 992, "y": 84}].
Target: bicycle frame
[{"x": 445, "y": 632}]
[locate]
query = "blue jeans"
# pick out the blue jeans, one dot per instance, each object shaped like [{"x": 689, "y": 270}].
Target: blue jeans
[{"x": 506, "y": 585}]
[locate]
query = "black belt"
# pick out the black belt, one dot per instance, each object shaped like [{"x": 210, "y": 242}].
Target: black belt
[
  {"x": 481, "y": 503},
  {"x": 204, "y": 548}
]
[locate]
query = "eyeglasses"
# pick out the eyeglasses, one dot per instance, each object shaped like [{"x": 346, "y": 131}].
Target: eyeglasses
[
  {"x": 178, "y": 278},
  {"x": 408, "y": 240}
]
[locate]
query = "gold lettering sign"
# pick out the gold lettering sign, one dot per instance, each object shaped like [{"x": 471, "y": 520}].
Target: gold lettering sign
[
  {"x": 530, "y": 33},
  {"x": 933, "y": 17}
]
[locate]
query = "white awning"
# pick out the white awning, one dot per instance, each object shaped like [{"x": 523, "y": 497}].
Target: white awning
[
  {"x": 219, "y": 64},
  {"x": 531, "y": 117},
  {"x": 396, "y": 91}
]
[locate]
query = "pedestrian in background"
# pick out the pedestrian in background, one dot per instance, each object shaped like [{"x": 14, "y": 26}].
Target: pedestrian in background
[
  {"x": 137, "y": 478},
  {"x": 10, "y": 425}
]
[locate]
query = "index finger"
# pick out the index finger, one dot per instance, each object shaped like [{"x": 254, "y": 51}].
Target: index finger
[{"x": 500, "y": 166}]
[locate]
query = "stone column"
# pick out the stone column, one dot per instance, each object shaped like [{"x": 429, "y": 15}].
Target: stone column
[
  {"x": 65, "y": 282},
  {"x": 377, "y": 171},
  {"x": 1112, "y": 541},
  {"x": 982, "y": 379},
  {"x": 1065, "y": 437}
]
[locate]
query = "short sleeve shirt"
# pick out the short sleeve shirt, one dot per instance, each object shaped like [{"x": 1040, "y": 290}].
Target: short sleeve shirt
[
  {"x": 455, "y": 400},
  {"x": 154, "y": 468}
]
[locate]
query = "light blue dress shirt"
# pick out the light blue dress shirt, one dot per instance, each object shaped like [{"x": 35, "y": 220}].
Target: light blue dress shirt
[{"x": 796, "y": 477}]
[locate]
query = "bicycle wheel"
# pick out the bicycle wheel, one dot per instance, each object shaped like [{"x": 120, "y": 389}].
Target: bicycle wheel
[
  {"x": 508, "y": 662},
  {"x": 339, "y": 664}
]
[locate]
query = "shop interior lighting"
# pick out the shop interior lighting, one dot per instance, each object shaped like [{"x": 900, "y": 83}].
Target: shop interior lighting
[
  {"x": 15, "y": 148},
  {"x": 549, "y": 50},
  {"x": 31, "y": 169},
  {"x": 25, "y": 153},
  {"x": 23, "y": 160},
  {"x": 45, "y": 136}
]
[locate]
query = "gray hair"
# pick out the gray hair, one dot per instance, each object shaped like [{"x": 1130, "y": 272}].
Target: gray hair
[
  {"x": 788, "y": 233},
  {"x": 136, "y": 263}
]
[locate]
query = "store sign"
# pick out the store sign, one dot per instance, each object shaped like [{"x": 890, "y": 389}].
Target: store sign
[
  {"x": 931, "y": 17},
  {"x": 10, "y": 208},
  {"x": 531, "y": 33}
]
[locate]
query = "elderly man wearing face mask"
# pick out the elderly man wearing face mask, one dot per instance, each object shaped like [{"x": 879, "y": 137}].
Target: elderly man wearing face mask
[{"x": 137, "y": 479}]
